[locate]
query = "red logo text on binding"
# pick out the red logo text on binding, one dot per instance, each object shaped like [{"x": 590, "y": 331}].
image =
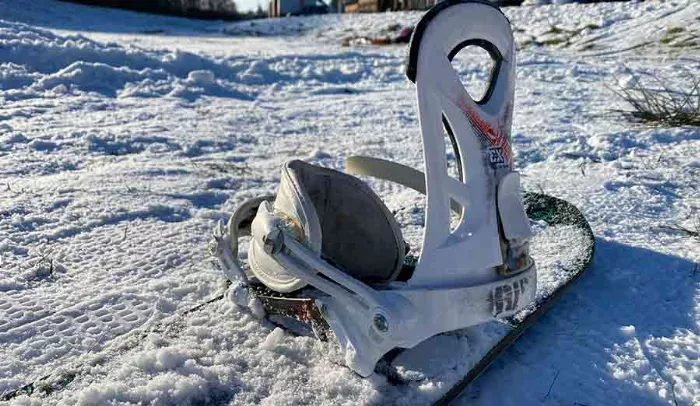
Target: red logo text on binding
[{"x": 496, "y": 137}]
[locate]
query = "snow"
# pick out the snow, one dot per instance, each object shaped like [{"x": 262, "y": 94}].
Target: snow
[
  {"x": 273, "y": 339},
  {"x": 124, "y": 137},
  {"x": 431, "y": 357}
]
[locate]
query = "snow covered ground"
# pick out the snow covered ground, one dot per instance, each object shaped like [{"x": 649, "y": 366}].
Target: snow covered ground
[{"x": 124, "y": 137}]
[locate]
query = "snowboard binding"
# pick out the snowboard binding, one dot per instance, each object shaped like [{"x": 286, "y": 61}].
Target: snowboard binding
[{"x": 326, "y": 250}]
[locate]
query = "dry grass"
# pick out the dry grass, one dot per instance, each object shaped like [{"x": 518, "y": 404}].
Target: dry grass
[{"x": 655, "y": 103}]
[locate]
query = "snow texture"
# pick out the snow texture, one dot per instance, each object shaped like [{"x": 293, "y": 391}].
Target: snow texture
[{"x": 124, "y": 137}]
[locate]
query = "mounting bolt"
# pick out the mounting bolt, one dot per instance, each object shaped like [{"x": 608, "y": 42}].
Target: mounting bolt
[
  {"x": 273, "y": 241},
  {"x": 380, "y": 323}
]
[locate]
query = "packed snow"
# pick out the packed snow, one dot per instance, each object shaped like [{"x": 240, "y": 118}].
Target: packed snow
[{"x": 124, "y": 137}]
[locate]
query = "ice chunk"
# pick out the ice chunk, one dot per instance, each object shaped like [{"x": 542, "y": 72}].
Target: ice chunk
[{"x": 273, "y": 339}]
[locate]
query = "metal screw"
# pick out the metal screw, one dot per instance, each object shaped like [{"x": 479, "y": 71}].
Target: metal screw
[{"x": 380, "y": 323}]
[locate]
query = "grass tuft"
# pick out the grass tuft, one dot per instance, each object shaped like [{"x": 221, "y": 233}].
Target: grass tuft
[{"x": 653, "y": 102}]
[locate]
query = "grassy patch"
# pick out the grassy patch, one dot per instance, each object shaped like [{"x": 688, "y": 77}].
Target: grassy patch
[
  {"x": 558, "y": 36},
  {"x": 686, "y": 43},
  {"x": 555, "y": 41},
  {"x": 223, "y": 168},
  {"x": 554, "y": 30},
  {"x": 668, "y": 39},
  {"x": 679, "y": 37},
  {"x": 653, "y": 102}
]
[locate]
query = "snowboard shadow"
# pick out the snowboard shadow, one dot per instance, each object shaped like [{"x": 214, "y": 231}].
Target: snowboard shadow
[{"x": 608, "y": 341}]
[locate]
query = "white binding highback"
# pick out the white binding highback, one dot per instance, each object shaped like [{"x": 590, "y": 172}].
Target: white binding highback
[{"x": 467, "y": 254}]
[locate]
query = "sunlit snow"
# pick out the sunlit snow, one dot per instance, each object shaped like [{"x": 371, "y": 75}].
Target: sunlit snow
[{"x": 124, "y": 137}]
